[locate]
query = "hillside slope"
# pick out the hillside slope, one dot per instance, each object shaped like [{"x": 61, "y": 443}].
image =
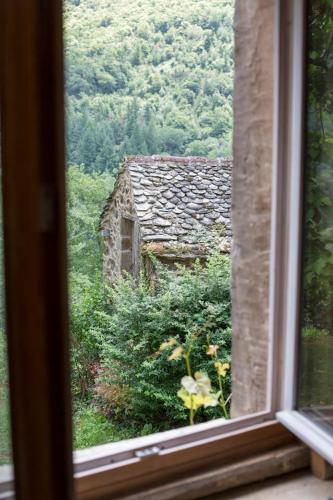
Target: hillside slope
[{"x": 148, "y": 77}]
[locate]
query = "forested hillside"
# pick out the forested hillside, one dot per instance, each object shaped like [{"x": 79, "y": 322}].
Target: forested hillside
[{"x": 148, "y": 77}]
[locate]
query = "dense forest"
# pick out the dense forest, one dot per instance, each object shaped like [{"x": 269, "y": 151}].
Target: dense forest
[{"x": 147, "y": 77}]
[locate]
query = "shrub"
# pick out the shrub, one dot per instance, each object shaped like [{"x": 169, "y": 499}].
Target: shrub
[
  {"x": 193, "y": 301},
  {"x": 90, "y": 318},
  {"x": 314, "y": 332}
]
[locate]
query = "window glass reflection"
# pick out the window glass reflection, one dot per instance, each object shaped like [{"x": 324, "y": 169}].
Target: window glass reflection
[{"x": 315, "y": 396}]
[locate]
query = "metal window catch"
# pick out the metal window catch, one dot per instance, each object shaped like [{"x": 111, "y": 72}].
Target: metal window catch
[{"x": 148, "y": 452}]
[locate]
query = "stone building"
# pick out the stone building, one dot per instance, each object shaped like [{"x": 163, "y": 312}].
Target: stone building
[{"x": 174, "y": 208}]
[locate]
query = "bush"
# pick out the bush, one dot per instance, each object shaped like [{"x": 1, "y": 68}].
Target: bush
[
  {"x": 314, "y": 332},
  {"x": 90, "y": 318},
  {"x": 138, "y": 384}
]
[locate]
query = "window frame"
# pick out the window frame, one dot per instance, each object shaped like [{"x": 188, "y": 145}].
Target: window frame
[
  {"x": 106, "y": 464},
  {"x": 33, "y": 184},
  {"x": 114, "y": 465},
  {"x": 311, "y": 434}
]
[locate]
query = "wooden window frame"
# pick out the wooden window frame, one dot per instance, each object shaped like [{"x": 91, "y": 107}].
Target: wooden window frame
[{"x": 33, "y": 183}]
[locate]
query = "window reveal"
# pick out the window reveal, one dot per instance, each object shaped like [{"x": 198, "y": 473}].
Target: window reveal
[{"x": 127, "y": 242}]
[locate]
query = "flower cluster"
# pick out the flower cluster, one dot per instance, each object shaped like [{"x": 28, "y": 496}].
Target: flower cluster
[{"x": 196, "y": 391}]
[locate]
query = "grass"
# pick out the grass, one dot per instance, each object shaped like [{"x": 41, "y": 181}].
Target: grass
[
  {"x": 92, "y": 428},
  {"x": 5, "y": 455}
]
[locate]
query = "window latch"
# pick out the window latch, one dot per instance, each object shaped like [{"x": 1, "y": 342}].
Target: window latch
[{"x": 147, "y": 452}]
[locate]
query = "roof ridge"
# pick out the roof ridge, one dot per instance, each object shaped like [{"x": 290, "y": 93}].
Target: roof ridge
[{"x": 177, "y": 159}]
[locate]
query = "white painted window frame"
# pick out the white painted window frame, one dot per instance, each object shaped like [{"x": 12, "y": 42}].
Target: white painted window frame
[{"x": 287, "y": 223}]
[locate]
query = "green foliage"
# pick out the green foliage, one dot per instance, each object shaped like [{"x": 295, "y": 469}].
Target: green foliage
[
  {"x": 318, "y": 231},
  {"x": 313, "y": 332},
  {"x": 91, "y": 428},
  {"x": 86, "y": 195},
  {"x": 147, "y": 78},
  {"x": 89, "y": 320},
  {"x": 142, "y": 383},
  {"x": 85, "y": 199}
]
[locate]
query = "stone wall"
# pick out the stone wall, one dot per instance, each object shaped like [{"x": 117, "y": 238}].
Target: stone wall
[
  {"x": 251, "y": 196},
  {"x": 121, "y": 205}
]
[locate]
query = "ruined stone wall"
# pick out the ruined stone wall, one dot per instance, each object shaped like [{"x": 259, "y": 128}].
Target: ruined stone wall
[
  {"x": 251, "y": 199},
  {"x": 122, "y": 205}
]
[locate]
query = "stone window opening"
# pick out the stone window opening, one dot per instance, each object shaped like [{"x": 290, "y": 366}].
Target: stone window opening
[{"x": 127, "y": 227}]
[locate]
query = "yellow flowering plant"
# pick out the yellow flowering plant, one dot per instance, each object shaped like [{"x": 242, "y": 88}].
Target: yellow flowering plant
[
  {"x": 196, "y": 390},
  {"x": 221, "y": 370}
]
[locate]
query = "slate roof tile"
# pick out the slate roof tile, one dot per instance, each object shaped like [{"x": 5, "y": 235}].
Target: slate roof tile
[{"x": 176, "y": 196}]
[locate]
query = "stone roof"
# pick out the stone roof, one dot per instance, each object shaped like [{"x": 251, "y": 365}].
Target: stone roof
[{"x": 180, "y": 199}]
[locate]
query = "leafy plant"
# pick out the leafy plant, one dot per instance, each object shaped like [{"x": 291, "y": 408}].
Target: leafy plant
[
  {"x": 90, "y": 318},
  {"x": 196, "y": 391},
  {"x": 142, "y": 316},
  {"x": 318, "y": 213}
]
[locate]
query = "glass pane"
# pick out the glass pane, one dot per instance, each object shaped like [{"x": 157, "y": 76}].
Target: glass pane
[
  {"x": 315, "y": 396},
  {"x": 142, "y": 79}
]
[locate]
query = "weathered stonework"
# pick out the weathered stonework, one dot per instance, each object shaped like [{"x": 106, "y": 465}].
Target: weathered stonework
[
  {"x": 251, "y": 195},
  {"x": 180, "y": 208},
  {"x": 121, "y": 205}
]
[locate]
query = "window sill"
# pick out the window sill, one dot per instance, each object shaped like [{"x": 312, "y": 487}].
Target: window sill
[
  {"x": 173, "y": 460},
  {"x": 312, "y": 435},
  {"x": 240, "y": 473}
]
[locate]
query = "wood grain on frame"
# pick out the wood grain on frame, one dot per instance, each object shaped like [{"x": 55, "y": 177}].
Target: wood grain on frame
[
  {"x": 32, "y": 117},
  {"x": 135, "y": 475}
]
